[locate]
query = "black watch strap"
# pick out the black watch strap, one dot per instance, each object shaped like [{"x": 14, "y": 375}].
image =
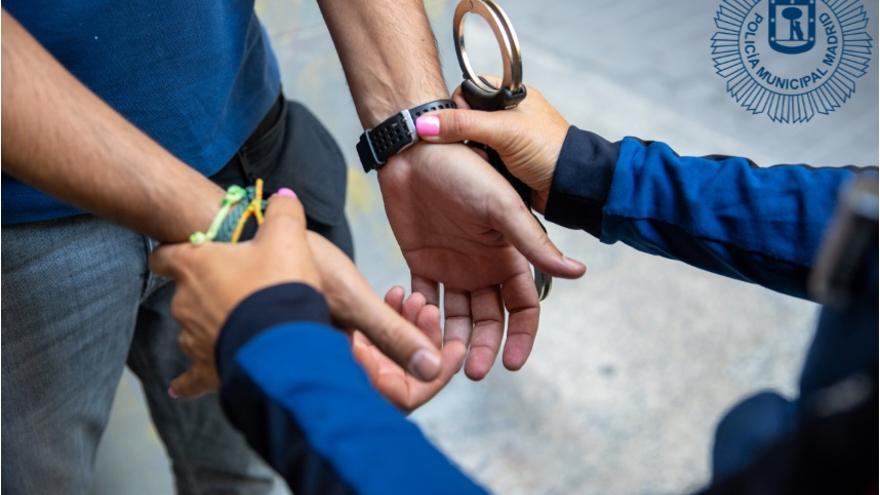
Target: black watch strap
[{"x": 394, "y": 135}]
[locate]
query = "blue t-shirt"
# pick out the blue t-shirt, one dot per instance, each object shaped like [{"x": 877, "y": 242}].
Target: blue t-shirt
[{"x": 196, "y": 76}]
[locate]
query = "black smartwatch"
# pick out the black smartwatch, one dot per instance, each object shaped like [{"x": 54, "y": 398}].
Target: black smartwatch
[{"x": 394, "y": 135}]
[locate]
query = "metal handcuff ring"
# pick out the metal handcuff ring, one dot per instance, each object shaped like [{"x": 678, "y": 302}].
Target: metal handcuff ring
[
  {"x": 511, "y": 91},
  {"x": 480, "y": 94}
]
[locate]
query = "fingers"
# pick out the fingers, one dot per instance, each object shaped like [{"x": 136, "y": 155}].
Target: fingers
[
  {"x": 428, "y": 321},
  {"x": 415, "y": 310},
  {"x": 488, "y": 314},
  {"x": 194, "y": 383},
  {"x": 406, "y": 345},
  {"x": 166, "y": 260},
  {"x": 521, "y": 301},
  {"x": 404, "y": 391},
  {"x": 394, "y": 298},
  {"x": 430, "y": 291},
  {"x": 453, "y": 357},
  {"x": 354, "y": 304},
  {"x": 411, "y": 307},
  {"x": 284, "y": 219},
  {"x": 521, "y": 228},
  {"x": 396, "y": 335},
  {"x": 459, "y": 99},
  {"x": 427, "y": 288},
  {"x": 452, "y": 126},
  {"x": 361, "y": 349},
  {"x": 457, "y": 306}
]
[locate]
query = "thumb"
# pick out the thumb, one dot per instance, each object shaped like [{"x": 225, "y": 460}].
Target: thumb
[
  {"x": 396, "y": 333},
  {"x": 452, "y": 126},
  {"x": 522, "y": 229},
  {"x": 166, "y": 260},
  {"x": 354, "y": 304},
  {"x": 284, "y": 217}
]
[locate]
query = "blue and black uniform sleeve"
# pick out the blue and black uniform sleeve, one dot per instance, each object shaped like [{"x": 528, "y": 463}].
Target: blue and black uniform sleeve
[
  {"x": 290, "y": 383},
  {"x": 722, "y": 214}
]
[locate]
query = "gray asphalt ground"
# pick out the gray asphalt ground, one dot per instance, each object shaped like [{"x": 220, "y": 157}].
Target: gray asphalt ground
[{"x": 635, "y": 363}]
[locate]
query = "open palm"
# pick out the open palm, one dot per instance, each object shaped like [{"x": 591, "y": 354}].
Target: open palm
[{"x": 459, "y": 223}]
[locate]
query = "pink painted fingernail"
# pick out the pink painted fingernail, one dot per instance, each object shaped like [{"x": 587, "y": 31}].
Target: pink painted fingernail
[
  {"x": 172, "y": 393},
  {"x": 287, "y": 193},
  {"x": 424, "y": 364},
  {"x": 428, "y": 126}
]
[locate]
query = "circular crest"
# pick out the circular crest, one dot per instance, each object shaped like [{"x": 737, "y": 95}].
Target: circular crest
[{"x": 791, "y": 59}]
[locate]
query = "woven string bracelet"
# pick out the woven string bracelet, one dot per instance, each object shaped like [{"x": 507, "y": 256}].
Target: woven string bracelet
[{"x": 237, "y": 206}]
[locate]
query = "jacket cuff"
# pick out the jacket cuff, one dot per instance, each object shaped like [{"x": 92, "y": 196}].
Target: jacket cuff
[
  {"x": 581, "y": 181},
  {"x": 264, "y": 309}
]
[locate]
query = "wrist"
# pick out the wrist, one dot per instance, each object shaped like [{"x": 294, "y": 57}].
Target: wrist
[
  {"x": 397, "y": 163},
  {"x": 394, "y": 135},
  {"x": 417, "y": 153},
  {"x": 536, "y": 165},
  {"x": 181, "y": 201},
  {"x": 543, "y": 181},
  {"x": 378, "y": 107},
  {"x": 263, "y": 309},
  {"x": 238, "y": 205}
]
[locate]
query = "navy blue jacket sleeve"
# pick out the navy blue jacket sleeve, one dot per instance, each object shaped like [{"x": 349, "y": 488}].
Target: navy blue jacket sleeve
[
  {"x": 722, "y": 214},
  {"x": 290, "y": 384}
]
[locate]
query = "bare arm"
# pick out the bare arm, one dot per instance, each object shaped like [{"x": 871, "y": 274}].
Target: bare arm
[
  {"x": 456, "y": 220},
  {"x": 388, "y": 52},
  {"x": 62, "y": 139}
]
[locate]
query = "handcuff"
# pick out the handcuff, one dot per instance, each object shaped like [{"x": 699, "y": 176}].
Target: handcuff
[
  {"x": 480, "y": 94},
  {"x": 398, "y": 132}
]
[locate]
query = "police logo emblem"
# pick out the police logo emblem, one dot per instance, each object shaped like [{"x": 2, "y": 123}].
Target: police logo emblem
[
  {"x": 791, "y": 59},
  {"x": 787, "y": 34}
]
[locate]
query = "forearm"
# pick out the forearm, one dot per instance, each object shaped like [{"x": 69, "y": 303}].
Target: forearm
[
  {"x": 61, "y": 138},
  {"x": 388, "y": 53},
  {"x": 291, "y": 385},
  {"x": 721, "y": 214}
]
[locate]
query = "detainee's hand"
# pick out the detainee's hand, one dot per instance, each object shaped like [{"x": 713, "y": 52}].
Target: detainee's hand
[
  {"x": 459, "y": 223},
  {"x": 392, "y": 381},
  {"x": 528, "y": 138}
]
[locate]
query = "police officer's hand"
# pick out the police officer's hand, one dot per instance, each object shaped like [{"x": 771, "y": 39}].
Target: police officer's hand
[
  {"x": 213, "y": 278},
  {"x": 528, "y": 137},
  {"x": 410, "y": 340},
  {"x": 394, "y": 382}
]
